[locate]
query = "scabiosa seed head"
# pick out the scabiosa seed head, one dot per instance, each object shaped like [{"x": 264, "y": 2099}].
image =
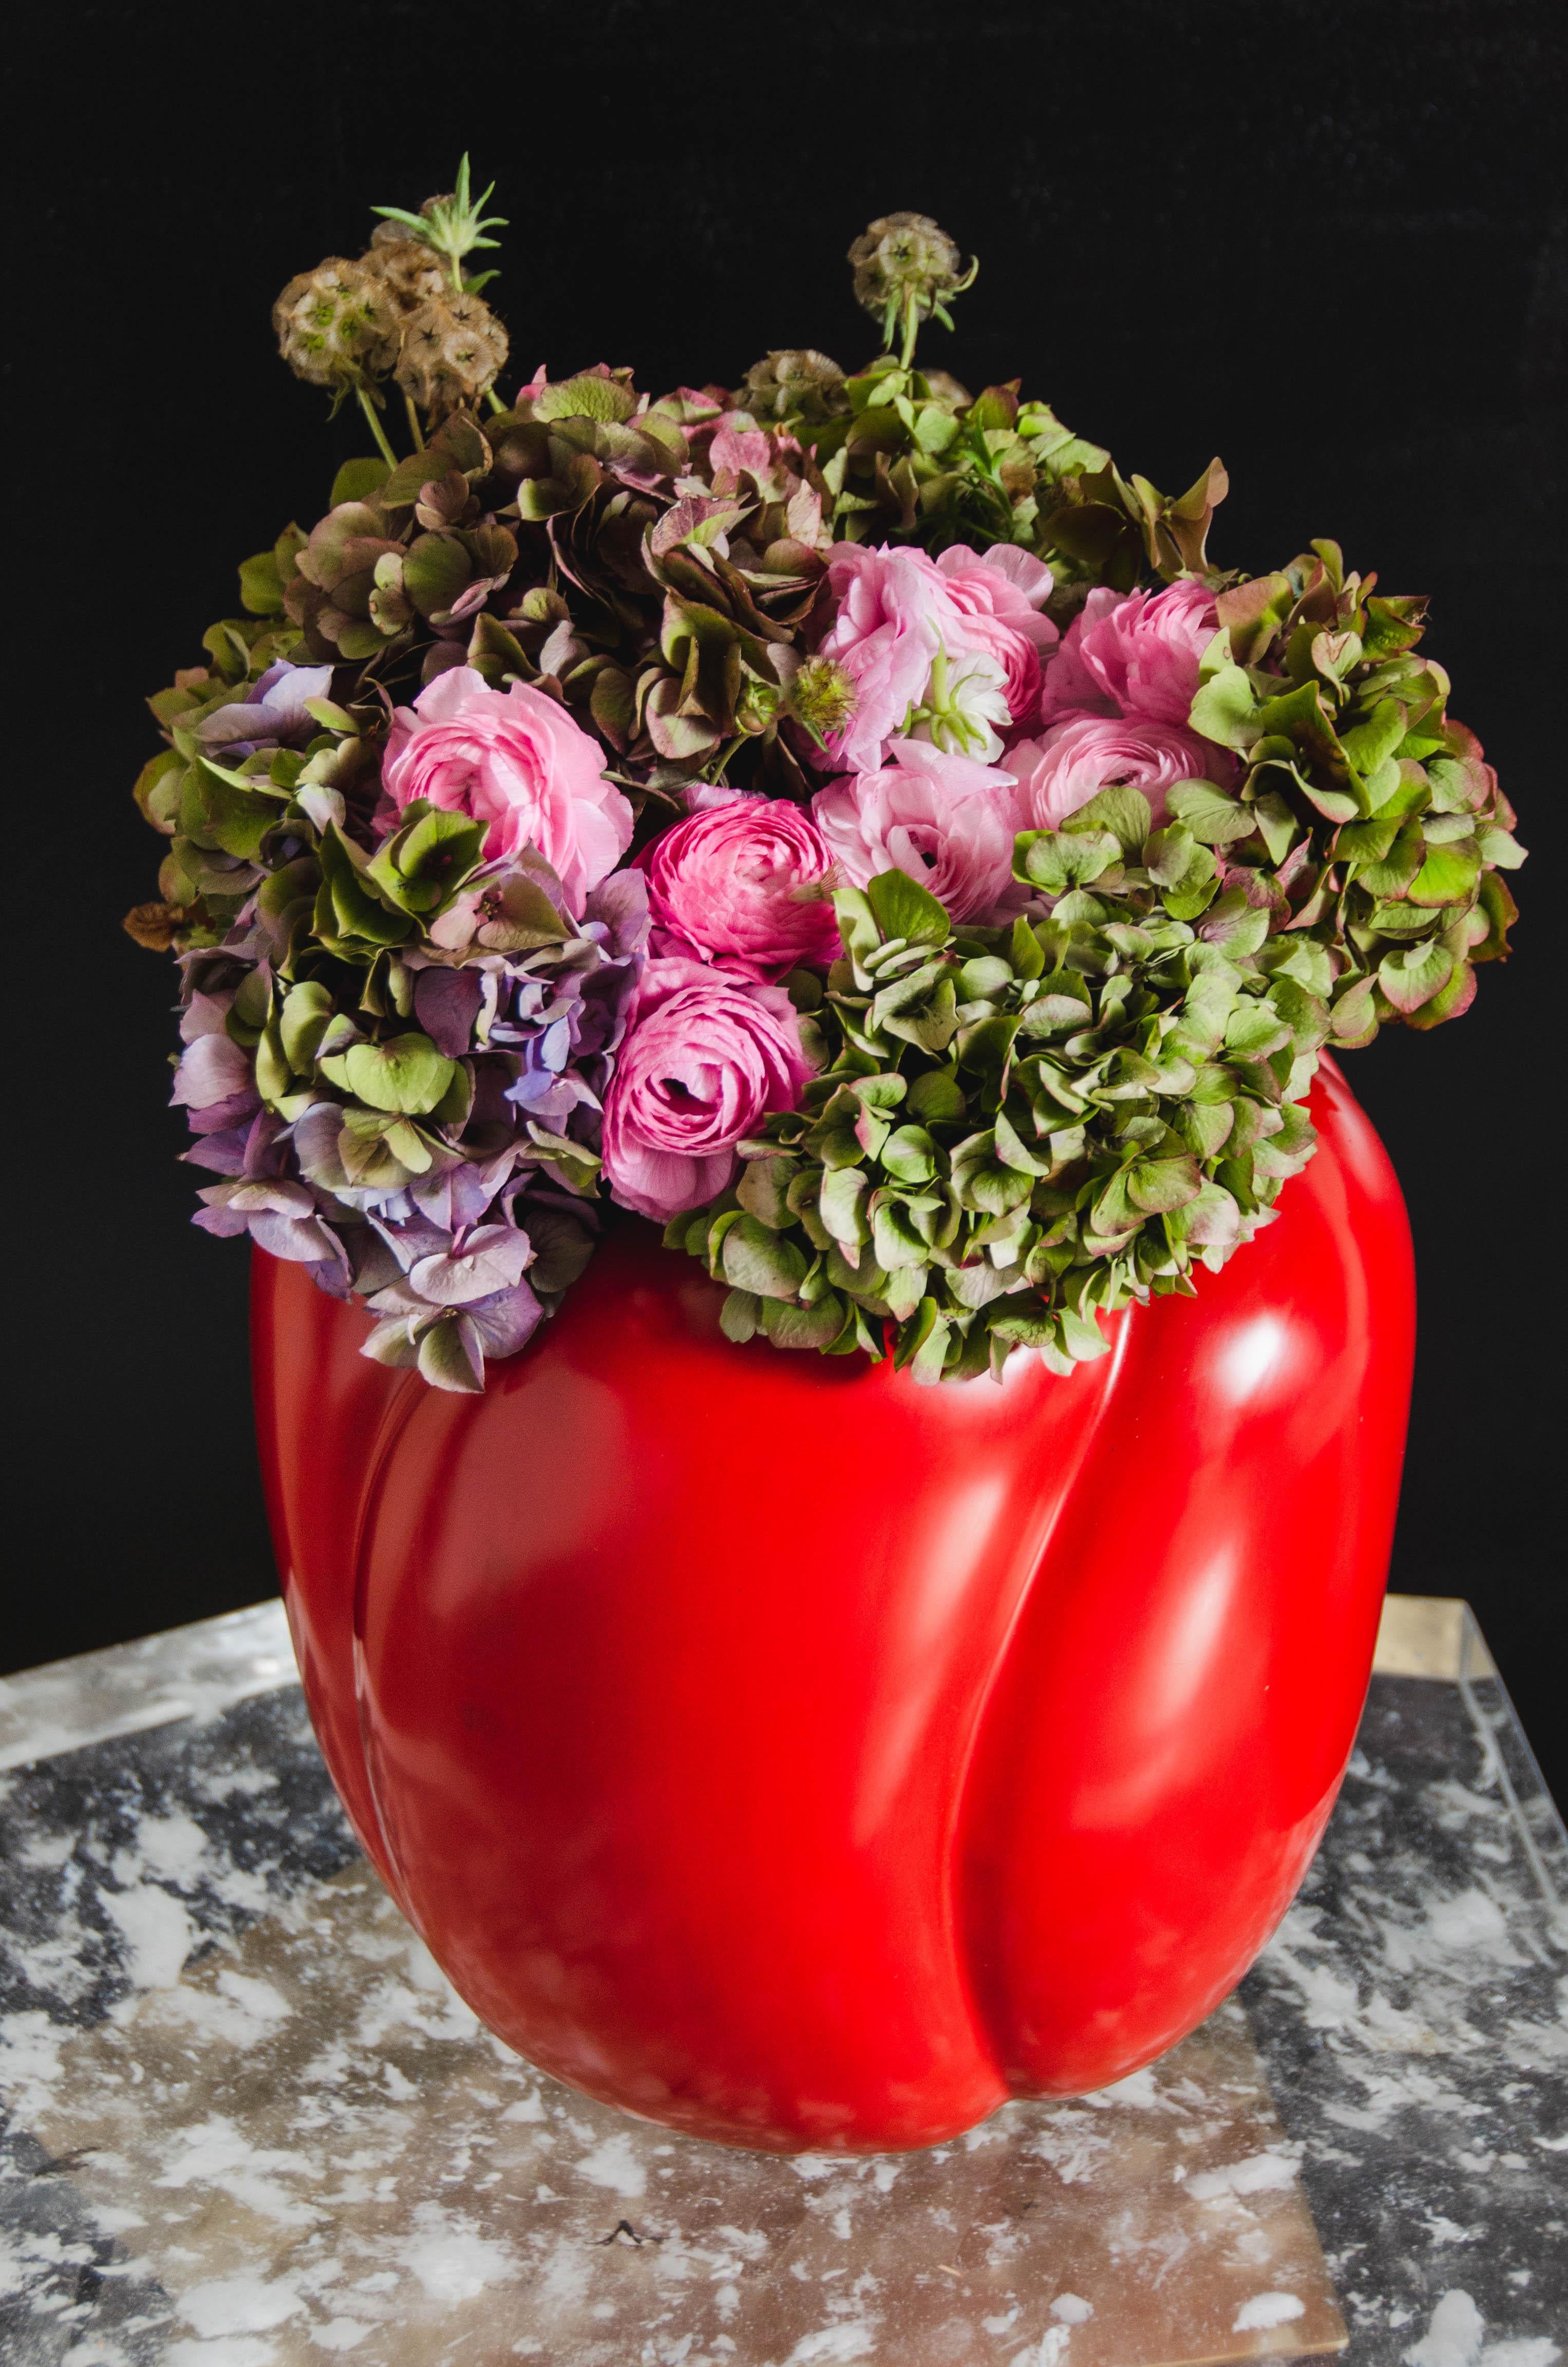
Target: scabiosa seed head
[
  {"x": 453, "y": 349},
  {"x": 794, "y": 382},
  {"x": 905, "y": 268},
  {"x": 337, "y": 326}
]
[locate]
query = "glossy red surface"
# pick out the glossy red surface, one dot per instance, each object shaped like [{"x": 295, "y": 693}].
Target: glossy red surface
[{"x": 806, "y": 1759}]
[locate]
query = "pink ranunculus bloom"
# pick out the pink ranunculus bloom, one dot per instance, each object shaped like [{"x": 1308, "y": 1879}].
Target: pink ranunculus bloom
[
  {"x": 1000, "y": 593},
  {"x": 898, "y": 612},
  {"x": 1076, "y": 758},
  {"x": 741, "y": 885},
  {"x": 705, "y": 1060},
  {"x": 1137, "y": 655},
  {"x": 946, "y": 821},
  {"x": 516, "y": 760}
]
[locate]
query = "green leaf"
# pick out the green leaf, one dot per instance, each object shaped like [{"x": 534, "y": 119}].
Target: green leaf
[
  {"x": 1234, "y": 924},
  {"x": 905, "y": 909},
  {"x": 356, "y": 480},
  {"x": 1448, "y": 876},
  {"x": 407, "y": 1075},
  {"x": 436, "y": 569},
  {"x": 741, "y": 1316},
  {"x": 1209, "y": 813},
  {"x": 841, "y": 1203},
  {"x": 261, "y": 586},
  {"x": 1058, "y": 862},
  {"x": 802, "y": 1327},
  {"x": 909, "y": 1155},
  {"x": 1414, "y": 974},
  {"x": 937, "y": 1098},
  {"x": 1254, "y": 1029},
  {"x": 1277, "y": 825},
  {"x": 1024, "y": 950},
  {"x": 756, "y": 1258},
  {"x": 303, "y": 1022},
  {"x": 1125, "y": 812},
  {"x": 1366, "y": 744},
  {"x": 1225, "y": 708},
  {"x": 424, "y": 864},
  {"x": 763, "y": 1190}
]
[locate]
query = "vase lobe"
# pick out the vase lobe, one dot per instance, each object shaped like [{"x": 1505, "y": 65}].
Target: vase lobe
[{"x": 808, "y": 1759}]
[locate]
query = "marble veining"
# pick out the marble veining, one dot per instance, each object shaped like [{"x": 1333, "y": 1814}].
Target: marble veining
[{"x": 251, "y": 2125}]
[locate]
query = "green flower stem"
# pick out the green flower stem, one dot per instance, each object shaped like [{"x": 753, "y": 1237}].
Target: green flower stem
[
  {"x": 377, "y": 430},
  {"x": 414, "y": 427},
  {"x": 493, "y": 400},
  {"x": 911, "y": 328}
]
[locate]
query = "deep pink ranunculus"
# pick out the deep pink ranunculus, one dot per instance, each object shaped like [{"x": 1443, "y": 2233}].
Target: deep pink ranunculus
[
  {"x": 741, "y": 885},
  {"x": 517, "y": 760},
  {"x": 1073, "y": 760},
  {"x": 947, "y": 649},
  {"x": 948, "y": 821},
  {"x": 1132, "y": 655},
  {"x": 706, "y": 1057}
]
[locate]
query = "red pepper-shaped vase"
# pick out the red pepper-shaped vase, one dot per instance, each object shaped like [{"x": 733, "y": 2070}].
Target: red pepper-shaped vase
[{"x": 806, "y": 1759}]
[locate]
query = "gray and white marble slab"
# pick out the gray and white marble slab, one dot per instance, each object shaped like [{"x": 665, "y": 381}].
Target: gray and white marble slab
[{"x": 250, "y": 2124}]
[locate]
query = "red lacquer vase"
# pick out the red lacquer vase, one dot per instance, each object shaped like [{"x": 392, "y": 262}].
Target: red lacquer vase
[{"x": 806, "y": 1759}]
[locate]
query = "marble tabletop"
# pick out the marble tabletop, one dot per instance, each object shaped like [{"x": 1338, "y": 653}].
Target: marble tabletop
[{"x": 249, "y": 2124}]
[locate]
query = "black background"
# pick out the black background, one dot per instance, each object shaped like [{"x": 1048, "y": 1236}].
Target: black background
[{"x": 1327, "y": 240}]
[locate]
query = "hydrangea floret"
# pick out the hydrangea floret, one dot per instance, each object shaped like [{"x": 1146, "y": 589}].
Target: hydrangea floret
[{"x": 840, "y": 817}]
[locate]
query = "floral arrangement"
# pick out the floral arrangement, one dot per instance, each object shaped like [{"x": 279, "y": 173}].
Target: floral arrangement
[{"x": 838, "y": 817}]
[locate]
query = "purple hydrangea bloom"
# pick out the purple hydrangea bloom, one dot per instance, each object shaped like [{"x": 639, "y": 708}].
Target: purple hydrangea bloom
[{"x": 271, "y": 714}]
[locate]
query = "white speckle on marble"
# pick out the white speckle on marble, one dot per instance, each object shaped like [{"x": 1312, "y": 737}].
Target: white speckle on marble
[
  {"x": 1470, "y": 1919},
  {"x": 1071, "y": 2309},
  {"x": 1048, "y": 2351},
  {"x": 1443, "y": 2230},
  {"x": 1260, "y": 2173},
  {"x": 45, "y": 1850},
  {"x": 1455, "y": 2337},
  {"x": 172, "y": 1847},
  {"x": 832, "y": 2346},
  {"x": 30, "y": 2061},
  {"x": 159, "y": 1934},
  {"x": 1269, "y": 2309},
  {"x": 613, "y": 2163},
  {"x": 1138, "y": 2088},
  {"x": 339, "y": 2334},
  {"x": 218, "y": 2154},
  {"x": 452, "y": 2260},
  {"x": 239, "y": 2304}
]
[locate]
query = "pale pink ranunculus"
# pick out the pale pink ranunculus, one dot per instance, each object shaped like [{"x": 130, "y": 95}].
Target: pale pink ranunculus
[
  {"x": 1132, "y": 655},
  {"x": 1000, "y": 593},
  {"x": 707, "y": 1057},
  {"x": 517, "y": 760},
  {"x": 898, "y": 612},
  {"x": 948, "y": 821},
  {"x": 1078, "y": 757},
  {"x": 741, "y": 885}
]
